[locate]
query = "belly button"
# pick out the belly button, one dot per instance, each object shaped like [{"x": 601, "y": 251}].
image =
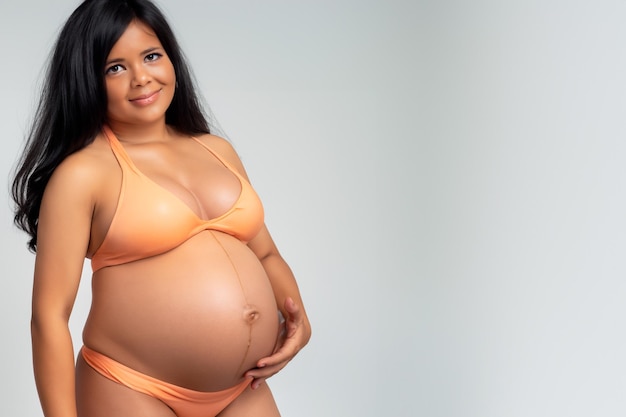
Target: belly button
[{"x": 250, "y": 314}]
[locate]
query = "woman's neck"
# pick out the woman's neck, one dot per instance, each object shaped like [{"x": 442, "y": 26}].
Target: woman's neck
[{"x": 144, "y": 133}]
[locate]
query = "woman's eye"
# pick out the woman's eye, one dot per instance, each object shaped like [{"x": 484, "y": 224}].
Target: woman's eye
[
  {"x": 153, "y": 56},
  {"x": 114, "y": 69}
]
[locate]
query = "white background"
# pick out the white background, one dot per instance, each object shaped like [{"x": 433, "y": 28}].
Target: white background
[{"x": 446, "y": 179}]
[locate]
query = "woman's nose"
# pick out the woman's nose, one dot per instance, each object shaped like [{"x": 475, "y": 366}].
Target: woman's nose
[{"x": 140, "y": 76}]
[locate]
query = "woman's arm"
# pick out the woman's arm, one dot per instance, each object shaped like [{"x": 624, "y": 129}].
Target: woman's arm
[
  {"x": 287, "y": 294},
  {"x": 62, "y": 239}
]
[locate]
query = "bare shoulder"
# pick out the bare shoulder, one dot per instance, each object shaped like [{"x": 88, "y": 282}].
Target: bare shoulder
[
  {"x": 221, "y": 146},
  {"x": 225, "y": 149},
  {"x": 68, "y": 206},
  {"x": 82, "y": 171}
]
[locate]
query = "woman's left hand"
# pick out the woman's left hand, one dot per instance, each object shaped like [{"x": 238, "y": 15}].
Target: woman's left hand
[{"x": 293, "y": 338}]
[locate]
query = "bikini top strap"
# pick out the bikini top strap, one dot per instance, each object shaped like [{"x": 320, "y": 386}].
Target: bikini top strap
[
  {"x": 119, "y": 151},
  {"x": 121, "y": 155},
  {"x": 219, "y": 157}
]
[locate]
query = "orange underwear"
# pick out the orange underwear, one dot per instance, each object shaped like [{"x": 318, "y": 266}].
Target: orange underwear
[{"x": 183, "y": 401}]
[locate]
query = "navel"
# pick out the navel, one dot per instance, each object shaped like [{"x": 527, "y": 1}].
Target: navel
[{"x": 250, "y": 314}]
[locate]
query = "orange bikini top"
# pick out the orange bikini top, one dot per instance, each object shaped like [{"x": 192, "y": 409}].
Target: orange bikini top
[{"x": 150, "y": 220}]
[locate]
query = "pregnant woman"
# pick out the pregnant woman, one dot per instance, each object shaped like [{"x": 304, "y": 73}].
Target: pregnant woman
[{"x": 188, "y": 288}]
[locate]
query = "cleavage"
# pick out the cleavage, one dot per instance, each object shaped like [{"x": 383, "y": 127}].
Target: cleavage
[{"x": 194, "y": 177}]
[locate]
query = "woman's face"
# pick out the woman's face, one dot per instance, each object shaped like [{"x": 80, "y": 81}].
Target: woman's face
[{"x": 139, "y": 78}]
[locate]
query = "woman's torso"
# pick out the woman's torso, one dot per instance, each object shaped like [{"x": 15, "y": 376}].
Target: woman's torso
[{"x": 200, "y": 313}]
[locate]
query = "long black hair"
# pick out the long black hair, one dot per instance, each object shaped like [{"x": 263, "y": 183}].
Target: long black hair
[{"x": 73, "y": 105}]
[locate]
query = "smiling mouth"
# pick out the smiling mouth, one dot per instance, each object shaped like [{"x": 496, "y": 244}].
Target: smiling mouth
[{"x": 145, "y": 98}]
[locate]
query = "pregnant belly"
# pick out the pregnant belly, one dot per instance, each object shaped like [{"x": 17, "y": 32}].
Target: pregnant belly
[{"x": 198, "y": 316}]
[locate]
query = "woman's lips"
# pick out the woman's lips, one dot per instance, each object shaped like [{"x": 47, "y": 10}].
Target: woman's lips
[{"x": 145, "y": 99}]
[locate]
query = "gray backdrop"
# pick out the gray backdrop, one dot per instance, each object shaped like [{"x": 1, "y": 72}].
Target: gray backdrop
[{"x": 446, "y": 179}]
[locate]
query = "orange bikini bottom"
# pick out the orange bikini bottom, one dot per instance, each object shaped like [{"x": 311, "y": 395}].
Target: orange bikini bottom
[{"x": 185, "y": 402}]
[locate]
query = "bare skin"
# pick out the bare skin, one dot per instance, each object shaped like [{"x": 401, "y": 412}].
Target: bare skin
[{"x": 215, "y": 297}]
